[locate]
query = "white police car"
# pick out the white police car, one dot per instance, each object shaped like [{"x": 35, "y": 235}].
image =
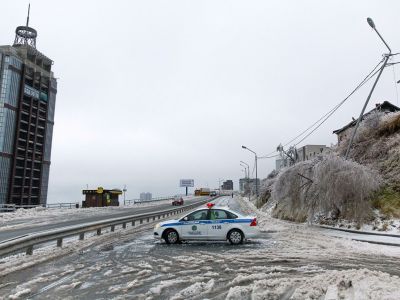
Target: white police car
[{"x": 209, "y": 223}]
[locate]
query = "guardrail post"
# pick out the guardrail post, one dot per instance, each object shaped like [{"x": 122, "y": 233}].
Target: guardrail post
[
  {"x": 141, "y": 221},
  {"x": 29, "y": 250},
  {"x": 59, "y": 242},
  {"x": 154, "y": 218},
  {"x": 148, "y": 220},
  {"x": 159, "y": 217},
  {"x": 124, "y": 225},
  {"x": 112, "y": 228},
  {"x": 82, "y": 236},
  {"x": 99, "y": 231},
  {"x": 133, "y": 223}
]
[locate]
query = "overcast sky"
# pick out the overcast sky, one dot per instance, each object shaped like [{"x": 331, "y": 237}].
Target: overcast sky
[{"x": 153, "y": 91}]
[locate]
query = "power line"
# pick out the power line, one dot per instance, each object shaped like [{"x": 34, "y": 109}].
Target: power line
[
  {"x": 337, "y": 107},
  {"x": 330, "y": 112}
]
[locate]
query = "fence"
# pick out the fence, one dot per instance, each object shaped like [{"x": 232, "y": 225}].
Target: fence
[
  {"x": 27, "y": 243},
  {"x": 135, "y": 201},
  {"x": 14, "y": 207}
]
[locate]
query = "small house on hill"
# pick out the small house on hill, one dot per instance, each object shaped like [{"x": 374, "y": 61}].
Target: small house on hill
[{"x": 345, "y": 132}]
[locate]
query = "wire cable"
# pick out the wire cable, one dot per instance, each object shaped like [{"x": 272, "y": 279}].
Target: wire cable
[
  {"x": 330, "y": 112},
  {"x": 337, "y": 107}
]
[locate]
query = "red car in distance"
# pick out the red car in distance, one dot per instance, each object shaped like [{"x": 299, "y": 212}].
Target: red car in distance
[{"x": 177, "y": 201}]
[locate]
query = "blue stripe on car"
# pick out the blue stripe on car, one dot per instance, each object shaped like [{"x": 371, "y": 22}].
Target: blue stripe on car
[{"x": 209, "y": 222}]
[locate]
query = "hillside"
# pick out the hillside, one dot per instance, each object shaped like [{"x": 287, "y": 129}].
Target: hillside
[{"x": 332, "y": 190}]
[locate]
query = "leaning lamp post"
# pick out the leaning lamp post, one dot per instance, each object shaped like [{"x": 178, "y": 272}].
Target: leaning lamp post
[
  {"x": 255, "y": 155},
  {"x": 387, "y": 56}
]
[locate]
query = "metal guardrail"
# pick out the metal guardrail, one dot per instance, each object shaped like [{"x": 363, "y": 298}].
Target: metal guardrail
[
  {"x": 63, "y": 205},
  {"x": 135, "y": 201},
  {"x": 14, "y": 207},
  {"x": 27, "y": 242}
]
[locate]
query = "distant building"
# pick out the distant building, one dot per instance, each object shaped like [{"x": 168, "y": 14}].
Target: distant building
[
  {"x": 101, "y": 197},
  {"x": 345, "y": 132},
  {"x": 281, "y": 163},
  {"x": 28, "y": 91},
  {"x": 310, "y": 151},
  {"x": 227, "y": 185},
  {"x": 248, "y": 183},
  {"x": 300, "y": 154},
  {"x": 145, "y": 196}
]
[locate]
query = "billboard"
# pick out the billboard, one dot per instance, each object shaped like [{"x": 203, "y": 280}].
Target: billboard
[{"x": 186, "y": 183}]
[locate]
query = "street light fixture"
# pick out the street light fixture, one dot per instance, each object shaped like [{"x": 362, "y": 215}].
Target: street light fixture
[
  {"x": 387, "y": 56},
  {"x": 255, "y": 154}
]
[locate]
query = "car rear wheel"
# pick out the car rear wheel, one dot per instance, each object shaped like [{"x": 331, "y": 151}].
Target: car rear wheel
[
  {"x": 235, "y": 237},
  {"x": 171, "y": 236}
]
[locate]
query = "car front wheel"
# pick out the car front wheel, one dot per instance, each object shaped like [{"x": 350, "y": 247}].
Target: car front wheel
[
  {"x": 171, "y": 237},
  {"x": 235, "y": 237}
]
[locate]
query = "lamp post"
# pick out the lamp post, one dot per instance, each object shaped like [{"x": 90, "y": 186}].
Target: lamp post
[
  {"x": 219, "y": 185},
  {"x": 242, "y": 163},
  {"x": 124, "y": 190},
  {"x": 255, "y": 155},
  {"x": 387, "y": 56}
]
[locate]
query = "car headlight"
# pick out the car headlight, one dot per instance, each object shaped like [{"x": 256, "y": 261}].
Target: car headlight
[{"x": 157, "y": 226}]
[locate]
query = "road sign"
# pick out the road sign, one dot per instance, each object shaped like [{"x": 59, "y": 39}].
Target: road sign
[{"x": 186, "y": 183}]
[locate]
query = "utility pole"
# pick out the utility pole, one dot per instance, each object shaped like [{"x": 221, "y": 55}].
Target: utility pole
[
  {"x": 124, "y": 190},
  {"x": 387, "y": 56},
  {"x": 243, "y": 164},
  {"x": 255, "y": 154}
]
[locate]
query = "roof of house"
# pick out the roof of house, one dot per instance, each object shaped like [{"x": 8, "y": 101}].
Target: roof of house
[{"x": 386, "y": 106}]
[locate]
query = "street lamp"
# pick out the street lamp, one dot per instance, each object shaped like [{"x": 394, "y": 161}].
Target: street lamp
[
  {"x": 245, "y": 165},
  {"x": 387, "y": 56},
  {"x": 124, "y": 190},
  {"x": 255, "y": 154},
  {"x": 219, "y": 185}
]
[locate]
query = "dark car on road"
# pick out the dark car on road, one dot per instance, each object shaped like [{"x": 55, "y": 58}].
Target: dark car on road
[{"x": 177, "y": 201}]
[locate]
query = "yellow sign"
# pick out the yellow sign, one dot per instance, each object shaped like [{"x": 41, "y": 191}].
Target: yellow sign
[{"x": 100, "y": 190}]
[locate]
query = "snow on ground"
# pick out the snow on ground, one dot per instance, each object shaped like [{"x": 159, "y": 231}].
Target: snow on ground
[
  {"x": 288, "y": 261},
  {"x": 361, "y": 284},
  {"x": 378, "y": 225},
  {"x": 42, "y": 216}
]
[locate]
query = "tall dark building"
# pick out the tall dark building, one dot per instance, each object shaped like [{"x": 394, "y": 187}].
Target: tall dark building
[
  {"x": 27, "y": 100},
  {"x": 227, "y": 185}
]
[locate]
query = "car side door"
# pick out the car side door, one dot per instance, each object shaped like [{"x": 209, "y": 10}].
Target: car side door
[
  {"x": 195, "y": 225},
  {"x": 219, "y": 225}
]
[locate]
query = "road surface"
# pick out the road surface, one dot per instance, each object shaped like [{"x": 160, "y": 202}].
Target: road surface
[
  {"x": 54, "y": 224},
  {"x": 288, "y": 261}
]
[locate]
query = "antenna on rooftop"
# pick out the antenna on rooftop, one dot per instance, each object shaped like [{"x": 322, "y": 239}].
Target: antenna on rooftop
[
  {"x": 25, "y": 35},
  {"x": 27, "y": 18}
]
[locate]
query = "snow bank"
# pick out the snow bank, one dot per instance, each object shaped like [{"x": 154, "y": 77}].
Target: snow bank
[
  {"x": 196, "y": 289},
  {"x": 361, "y": 284}
]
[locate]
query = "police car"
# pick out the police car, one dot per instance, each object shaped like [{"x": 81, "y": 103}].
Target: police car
[{"x": 208, "y": 223}]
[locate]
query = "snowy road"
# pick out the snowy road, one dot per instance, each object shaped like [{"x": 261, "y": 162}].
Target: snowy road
[
  {"x": 20, "y": 227},
  {"x": 286, "y": 261}
]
